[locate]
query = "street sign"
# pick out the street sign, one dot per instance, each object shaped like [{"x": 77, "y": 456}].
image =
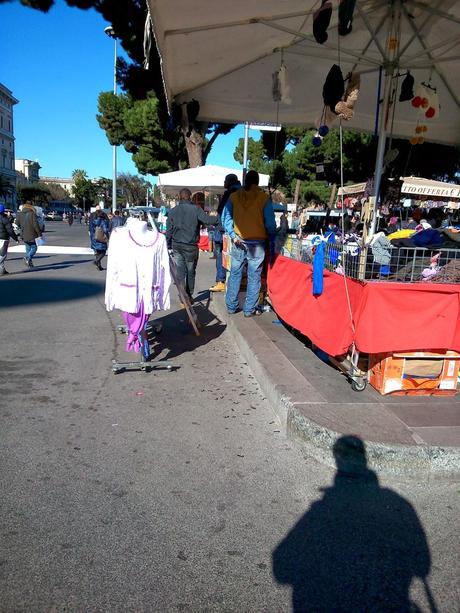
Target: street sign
[{"x": 265, "y": 127}]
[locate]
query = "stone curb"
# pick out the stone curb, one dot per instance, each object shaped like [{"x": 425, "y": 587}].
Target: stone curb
[{"x": 316, "y": 440}]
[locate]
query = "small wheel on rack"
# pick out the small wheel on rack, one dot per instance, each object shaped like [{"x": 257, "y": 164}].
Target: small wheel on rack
[{"x": 358, "y": 386}]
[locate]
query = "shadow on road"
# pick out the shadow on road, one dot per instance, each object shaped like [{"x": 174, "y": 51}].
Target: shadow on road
[
  {"x": 356, "y": 549},
  {"x": 27, "y": 290},
  {"x": 66, "y": 264},
  {"x": 177, "y": 336}
]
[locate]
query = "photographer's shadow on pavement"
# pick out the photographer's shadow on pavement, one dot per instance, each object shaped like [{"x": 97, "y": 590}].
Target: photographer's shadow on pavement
[{"x": 358, "y": 548}]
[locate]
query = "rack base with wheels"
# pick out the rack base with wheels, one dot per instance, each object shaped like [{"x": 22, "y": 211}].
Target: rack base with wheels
[{"x": 145, "y": 363}]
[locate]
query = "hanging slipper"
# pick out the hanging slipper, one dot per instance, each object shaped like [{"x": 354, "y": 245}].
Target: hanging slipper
[
  {"x": 407, "y": 88},
  {"x": 346, "y": 10},
  {"x": 333, "y": 88},
  {"x": 321, "y": 21}
]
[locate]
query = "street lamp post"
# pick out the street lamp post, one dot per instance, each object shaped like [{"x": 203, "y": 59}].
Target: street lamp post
[{"x": 111, "y": 33}]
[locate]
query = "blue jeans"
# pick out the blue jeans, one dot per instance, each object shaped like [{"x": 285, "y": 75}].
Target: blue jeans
[
  {"x": 253, "y": 255},
  {"x": 31, "y": 250},
  {"x": 220, "y": 270}
]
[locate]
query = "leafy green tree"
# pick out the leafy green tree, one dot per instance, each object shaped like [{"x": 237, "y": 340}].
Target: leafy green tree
[
  {"x": 38, "y": 193},
  {"x": 56, "y": 192},
  {"x": 133, "y": 188},
  {"x": 84, "y": 191},
  {"x": 6, "y": 186},
  {"x": 103, "y": 189},
  {"x": 135, "y": 124}
]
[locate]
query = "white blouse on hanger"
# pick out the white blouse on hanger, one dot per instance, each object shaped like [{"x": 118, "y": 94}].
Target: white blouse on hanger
[{"x": 137, "y": 270}]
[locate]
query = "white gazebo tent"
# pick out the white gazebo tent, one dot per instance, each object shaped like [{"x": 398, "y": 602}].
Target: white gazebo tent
[{"x": 203, "y": 178}]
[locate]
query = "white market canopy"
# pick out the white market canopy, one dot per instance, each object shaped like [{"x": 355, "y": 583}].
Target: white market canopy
[
  {"x": 223, "y": 54},
  {"x": 203, "y": 178},
  {"x": 415, "y": 186}
]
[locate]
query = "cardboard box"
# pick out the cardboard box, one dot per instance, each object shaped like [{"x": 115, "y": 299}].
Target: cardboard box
[{"x": 415, "y": 373}]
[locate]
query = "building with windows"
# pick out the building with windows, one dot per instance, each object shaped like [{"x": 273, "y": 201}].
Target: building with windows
[
  {"x": 66, "y": 184},
  {"x": 7, "y": 164},
  {"x": 27, "y": 171}
]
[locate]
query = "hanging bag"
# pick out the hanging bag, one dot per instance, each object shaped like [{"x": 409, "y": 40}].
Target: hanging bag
[{"x": 100, "y": 235}]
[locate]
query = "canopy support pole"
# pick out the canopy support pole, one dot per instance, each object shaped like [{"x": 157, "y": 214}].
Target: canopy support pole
[
  {"x": 245, "y": 150},
  {"x": 389, "y": 70}
]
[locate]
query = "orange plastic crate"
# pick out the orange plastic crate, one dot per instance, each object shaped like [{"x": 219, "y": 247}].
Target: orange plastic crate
[{"x": 419, "y": 373}]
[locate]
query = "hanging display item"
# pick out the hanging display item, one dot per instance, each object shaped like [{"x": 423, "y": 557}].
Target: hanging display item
[
  {"x": 426, "y": 101},
  {"x": 339, "y": 102},
  {"x": 321, "y": 21},
  {"x": 280, "y": 88}
]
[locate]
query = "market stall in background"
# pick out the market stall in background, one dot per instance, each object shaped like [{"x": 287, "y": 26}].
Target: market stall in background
[{"x": 389, "y": 67}]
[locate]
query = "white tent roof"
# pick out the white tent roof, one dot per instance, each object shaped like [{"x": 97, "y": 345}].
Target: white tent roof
[
  {"x": 202, "y": 178},
  {"x": 223, "y": 54},
  {"x": 413, "y": 185}
]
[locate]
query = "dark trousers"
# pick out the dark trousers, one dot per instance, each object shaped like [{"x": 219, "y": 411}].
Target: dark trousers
[
  {"x": 186, "y": 259},
  {"x": 98, "y": 256},
  {"x": 220, "y": 270}
]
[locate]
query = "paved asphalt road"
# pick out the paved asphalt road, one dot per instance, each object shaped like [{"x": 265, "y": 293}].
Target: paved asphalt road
[{"x": 177, "y": 491}]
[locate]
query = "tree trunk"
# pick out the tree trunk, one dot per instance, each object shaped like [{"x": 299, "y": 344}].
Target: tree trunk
[{"x": 194, "y": 144}]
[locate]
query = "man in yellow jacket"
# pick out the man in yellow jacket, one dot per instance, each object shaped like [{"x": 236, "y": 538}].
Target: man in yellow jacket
[{"x": 249, "y": 220}]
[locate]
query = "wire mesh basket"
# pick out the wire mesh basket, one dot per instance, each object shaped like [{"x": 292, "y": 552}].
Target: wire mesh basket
[{"x": 404, "y": 264}]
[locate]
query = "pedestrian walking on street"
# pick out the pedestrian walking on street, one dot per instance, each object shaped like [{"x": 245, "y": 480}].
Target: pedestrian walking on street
[
  {"x": 116, "y": 221},
  {"x": 27, "y": 221},
  {"x": 6, "y": 233},
  {"x": 231, "y": 184},
  {"x": 182, "y": 235},
  {"x": 99, "y": 236},
  {"x": 70, "y": 219},
  {"x": 248, "y": 219}
]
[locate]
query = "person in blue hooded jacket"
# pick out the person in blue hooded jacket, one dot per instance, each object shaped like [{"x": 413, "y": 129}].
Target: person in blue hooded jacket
[{"x": 99, "y": 236}]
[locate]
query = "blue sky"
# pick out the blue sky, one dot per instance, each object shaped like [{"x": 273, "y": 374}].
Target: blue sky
[{"x": 56, "y": 64}]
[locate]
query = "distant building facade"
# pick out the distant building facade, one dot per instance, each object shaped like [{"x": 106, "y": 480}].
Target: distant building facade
[
  {"x": 27, "y": 172},
  {"x": 66, "y": 184},
  {"x": 7, "y": 157}
]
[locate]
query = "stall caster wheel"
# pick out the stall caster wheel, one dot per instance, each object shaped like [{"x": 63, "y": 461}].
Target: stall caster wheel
[{"x": 358, "y": 386}]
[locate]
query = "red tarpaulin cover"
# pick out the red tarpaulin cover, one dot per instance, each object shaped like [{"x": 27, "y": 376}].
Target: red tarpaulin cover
[{"x": 386, "y": 316}]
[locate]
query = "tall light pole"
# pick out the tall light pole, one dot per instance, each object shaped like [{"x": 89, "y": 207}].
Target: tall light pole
[{"x": 111, "y": 33}]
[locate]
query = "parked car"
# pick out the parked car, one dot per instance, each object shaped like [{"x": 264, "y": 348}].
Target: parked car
[{"x": 53, "y": 216}]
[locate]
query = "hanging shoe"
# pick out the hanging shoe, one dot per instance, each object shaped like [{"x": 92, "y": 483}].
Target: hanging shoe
[
  {"x": 346, "y": 10},
  {"x": 218, "y": 287},
  {"x": 321, "y": 21}
]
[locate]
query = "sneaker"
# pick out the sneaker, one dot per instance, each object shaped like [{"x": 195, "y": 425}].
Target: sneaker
[
  {"x": 3, "y": 272},
  {"x": 253, "y": 314},
  {"x": 30, "y": 264},
  {"x": 233, "y": 312},
  {"x": 218, "y": 287}
]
